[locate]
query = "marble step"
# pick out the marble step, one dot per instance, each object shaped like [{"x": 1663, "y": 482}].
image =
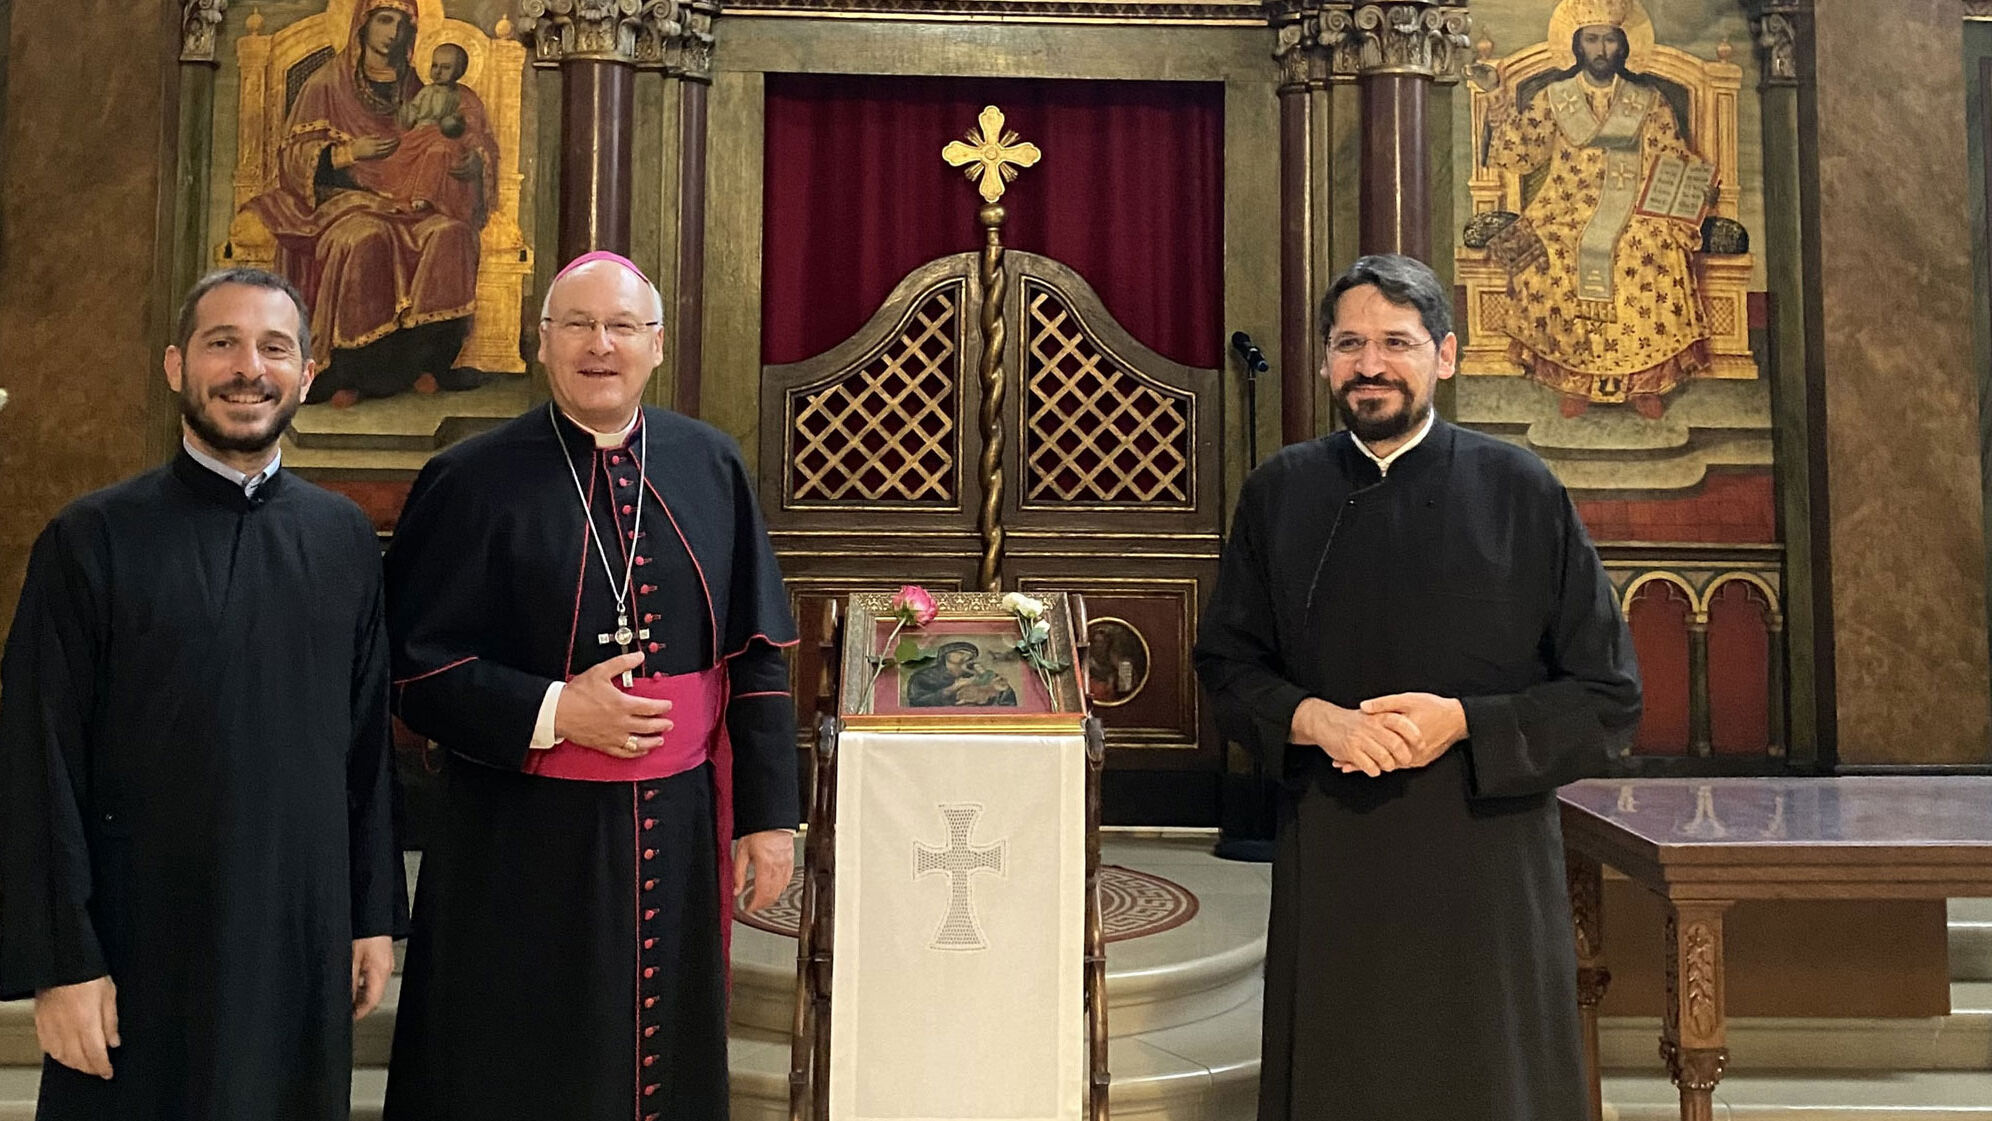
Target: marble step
[
  {"x": 1961, "y": 1041},
  {"x": 1210, "y": 1073},
  {"x": 1811, "y": 1095},
  {"x": 1970, "y": 927}
]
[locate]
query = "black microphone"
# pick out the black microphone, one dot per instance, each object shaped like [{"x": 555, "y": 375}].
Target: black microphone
[{"x": 1241, "y": 344}]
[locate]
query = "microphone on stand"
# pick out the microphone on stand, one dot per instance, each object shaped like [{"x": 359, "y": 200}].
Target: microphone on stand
[{"x": 1250, "y": 355}]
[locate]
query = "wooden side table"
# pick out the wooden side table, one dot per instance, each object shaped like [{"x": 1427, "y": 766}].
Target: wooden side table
[{"x": 1704, "y": 844}]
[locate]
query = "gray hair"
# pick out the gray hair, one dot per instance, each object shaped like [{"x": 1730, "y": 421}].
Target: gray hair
[
  {"x": 656, "y": 298},
  {"x": 250, "y": 277},
  {"x": 1404, "y": 281}
]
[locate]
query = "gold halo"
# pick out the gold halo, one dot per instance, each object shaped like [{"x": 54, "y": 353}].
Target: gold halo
[{"x": 1638, "y": 28}]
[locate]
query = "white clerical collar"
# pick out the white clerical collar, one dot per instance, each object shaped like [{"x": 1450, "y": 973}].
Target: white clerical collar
[
  {"x": 1383, "y": 462},
  {"x": 248, "y": 483},
  {"x": 607, "y": 439}
]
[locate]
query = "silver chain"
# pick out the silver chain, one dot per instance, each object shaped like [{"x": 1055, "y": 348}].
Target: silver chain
[{"x": 588, "y": 517}]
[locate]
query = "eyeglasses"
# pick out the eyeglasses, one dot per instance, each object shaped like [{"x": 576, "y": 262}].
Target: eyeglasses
[
  {"x": 1392, "y": 345},
  {"x": 579, "y": 327}
]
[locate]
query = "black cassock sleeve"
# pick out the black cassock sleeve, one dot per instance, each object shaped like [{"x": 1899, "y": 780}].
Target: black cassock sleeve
[
  {"x": 761, "y": 723},
  {"x": 1236, "y": 657},
  {"x": 439, "y": 601},
  {"x": 761, "y": 718},
  {"x": 47, "y": 693},
  {"x": 1581, "y": 720},
  {"x": 380, "y": 892}
]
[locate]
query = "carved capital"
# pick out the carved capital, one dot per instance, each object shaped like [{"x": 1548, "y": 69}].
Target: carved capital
[
  {"x": 1978, "y": 9},
  {"x": 682, "y": 41},
  {"x": 604, "y": 30},
  {"x": 200, "y": 26},
  {"x": 1774, "y": 28},
  {"x": 1429, "y": 39},
  {"x": 1297, "y": 45}
]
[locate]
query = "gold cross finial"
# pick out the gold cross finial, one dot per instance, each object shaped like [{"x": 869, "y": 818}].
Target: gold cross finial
[{"x": 991, "y": 154}]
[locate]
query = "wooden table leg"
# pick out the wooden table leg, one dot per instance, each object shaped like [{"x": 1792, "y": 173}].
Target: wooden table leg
[
  {"x": 1587, "y": 913},
  {"x": 1693, "y": 1036}
]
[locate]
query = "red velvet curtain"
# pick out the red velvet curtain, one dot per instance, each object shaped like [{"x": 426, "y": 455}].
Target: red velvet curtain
[{"x": 1130, "y": 194}]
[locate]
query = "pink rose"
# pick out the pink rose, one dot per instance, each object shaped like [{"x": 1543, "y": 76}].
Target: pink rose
[{"x": 914, "y": 605}]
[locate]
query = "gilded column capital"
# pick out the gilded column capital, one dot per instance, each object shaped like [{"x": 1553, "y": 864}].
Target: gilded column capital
[
  {"x": 200, "y": 26},
  {"x": 1432, "y": 40},
  {"x": 1774, "y": 27},
  {"x": 556, "y": 31}
]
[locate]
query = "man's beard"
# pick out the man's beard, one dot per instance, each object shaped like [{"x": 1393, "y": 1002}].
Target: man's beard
[
  {"x": 1604, "y": 64},
  {"x": 1377, "y": 424},
  {"x": 211, "y": 434}
]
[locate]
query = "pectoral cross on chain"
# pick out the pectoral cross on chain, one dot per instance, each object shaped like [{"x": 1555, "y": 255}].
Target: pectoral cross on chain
[{"x": 625, "y": 638}]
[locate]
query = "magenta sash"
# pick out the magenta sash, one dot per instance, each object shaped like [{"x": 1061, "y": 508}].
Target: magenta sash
[{"x": 698, "y": 705}]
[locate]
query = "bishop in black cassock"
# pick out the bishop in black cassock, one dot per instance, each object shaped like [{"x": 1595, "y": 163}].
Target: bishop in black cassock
[
  {"x": 196, "y": 859},
  {"x": 1410, "y": 619},
  {"x": 568, "y": 955}
]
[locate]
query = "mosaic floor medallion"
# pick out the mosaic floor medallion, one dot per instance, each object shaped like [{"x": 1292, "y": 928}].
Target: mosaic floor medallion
[{"x": 1132, "y": 905}]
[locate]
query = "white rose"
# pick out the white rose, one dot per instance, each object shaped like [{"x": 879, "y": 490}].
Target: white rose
[{"x": 1020, "y": 604}]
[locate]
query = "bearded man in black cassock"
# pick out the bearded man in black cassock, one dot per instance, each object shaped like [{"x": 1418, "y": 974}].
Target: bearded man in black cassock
[
  {"x": 198, "y": 878},
  {"x": 586, "y": 613},
  {"x": 1410, "y": 619}
]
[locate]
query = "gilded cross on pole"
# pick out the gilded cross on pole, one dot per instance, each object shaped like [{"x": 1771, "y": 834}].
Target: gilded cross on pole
[{"x": 992, "y": 153}]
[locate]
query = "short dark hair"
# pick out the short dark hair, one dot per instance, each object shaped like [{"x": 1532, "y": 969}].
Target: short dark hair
[
  {"x": 254, "y": 278},
  {"x": 456, "y": 51},
  {"x": 1404, "y": 281}
]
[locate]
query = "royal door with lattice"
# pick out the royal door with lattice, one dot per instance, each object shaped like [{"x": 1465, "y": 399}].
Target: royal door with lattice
[{"x": 1029, "y": 439}]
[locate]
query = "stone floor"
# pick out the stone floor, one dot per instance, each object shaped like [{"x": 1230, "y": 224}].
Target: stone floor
[{"x": 1184, "y": 1015}]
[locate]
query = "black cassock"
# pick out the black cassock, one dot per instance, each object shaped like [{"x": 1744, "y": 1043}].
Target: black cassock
[
  {"x": 1420, "y": 960},
  {"x": 566, "y": 959},
  {"x": 195, "y": 752}
]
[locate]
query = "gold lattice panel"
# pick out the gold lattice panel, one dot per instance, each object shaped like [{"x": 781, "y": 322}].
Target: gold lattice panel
[
  {"x": 886, "y": 430},
  {"x": 1094, "y": 432},
  {"x": 1722, "y": 317}
]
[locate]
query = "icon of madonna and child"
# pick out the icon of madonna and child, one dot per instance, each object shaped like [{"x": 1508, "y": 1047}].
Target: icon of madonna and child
[{"x": 383, "y": 184}]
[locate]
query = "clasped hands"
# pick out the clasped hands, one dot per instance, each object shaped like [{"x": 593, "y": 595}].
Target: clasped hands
[{"x": 1393, "y": 733}]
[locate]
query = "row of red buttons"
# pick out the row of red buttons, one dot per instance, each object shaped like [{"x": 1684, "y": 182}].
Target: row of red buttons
[{"x": 649, "y": 971}]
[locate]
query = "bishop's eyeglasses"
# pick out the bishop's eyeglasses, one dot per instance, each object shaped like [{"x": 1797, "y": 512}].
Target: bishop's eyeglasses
[
  {"x": 1393, "y": 345},
  {"x": 579, "y": 327}
]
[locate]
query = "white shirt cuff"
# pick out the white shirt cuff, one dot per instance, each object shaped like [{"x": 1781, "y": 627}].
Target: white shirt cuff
[{"x": 543, "y": 735}]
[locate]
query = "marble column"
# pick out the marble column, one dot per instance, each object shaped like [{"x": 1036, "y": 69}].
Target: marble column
[
  {"x": 1304, "y": 61},
  {"x": 596, "y": 47},
  {"x": 687, "y": 66},
  {"x": 1400, "y": 49},
  {"x": 1782, "y": 32}
]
